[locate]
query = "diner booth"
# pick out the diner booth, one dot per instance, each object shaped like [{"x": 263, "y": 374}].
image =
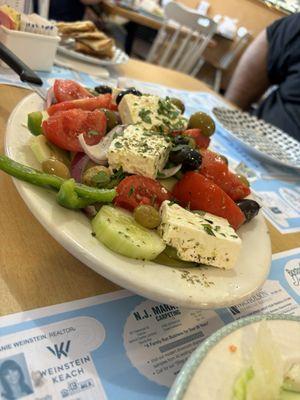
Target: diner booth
[{"x": 150, "y": 200}]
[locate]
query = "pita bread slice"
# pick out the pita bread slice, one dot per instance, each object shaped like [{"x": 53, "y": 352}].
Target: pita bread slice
[
  {"x": 103, "y": 49},
  {"x": 73, "y": 28},
  {"x": 97, "y": 35}
]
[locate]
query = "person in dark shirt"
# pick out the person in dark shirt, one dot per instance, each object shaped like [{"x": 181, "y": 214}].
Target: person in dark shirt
[
  {"x": 69, "y": 10},
  {"x": 273, "y": 58}
]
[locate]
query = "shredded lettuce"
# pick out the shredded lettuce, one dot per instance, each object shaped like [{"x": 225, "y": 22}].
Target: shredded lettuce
[
  {"x": 240, "y": 387},
  {"x": 263, "y": 380}
]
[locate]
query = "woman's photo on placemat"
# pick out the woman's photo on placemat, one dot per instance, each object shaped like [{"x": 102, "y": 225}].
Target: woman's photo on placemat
[{"x": 14, "y": 378}]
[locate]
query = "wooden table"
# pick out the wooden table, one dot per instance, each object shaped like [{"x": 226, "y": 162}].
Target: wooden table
[
  {"x": 132, "y": 15},
  {"x": 35, "y": 270}
]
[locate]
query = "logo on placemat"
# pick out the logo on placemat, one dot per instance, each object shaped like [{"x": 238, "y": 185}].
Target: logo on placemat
[
  {"x": 61, "y": 350},
  {"x": 292, "y": 274}
]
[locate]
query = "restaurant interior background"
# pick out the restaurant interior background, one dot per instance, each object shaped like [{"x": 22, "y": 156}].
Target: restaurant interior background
[{"x": 250, "y": 16}]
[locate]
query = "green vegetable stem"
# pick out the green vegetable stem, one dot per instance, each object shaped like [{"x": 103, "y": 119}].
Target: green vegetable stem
[
  {"x": 67, "y": 197},
  {"x": 71, "y": 195},
  {"x": 34, "y": 122}
]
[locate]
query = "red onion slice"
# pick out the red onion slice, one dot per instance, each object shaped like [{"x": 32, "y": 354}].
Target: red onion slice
[
  {"x": 50, "y": 99},
  {"x": 78, "y": 165},
  {"x": 167, "y": 173},
  {"x": 90, "y": 211},
  {"x": 98, "y": 152}
]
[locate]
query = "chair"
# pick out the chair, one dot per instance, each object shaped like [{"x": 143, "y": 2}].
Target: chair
[
  {"x": 42, "y": 5},
  {"x": 182, "y": 39}
]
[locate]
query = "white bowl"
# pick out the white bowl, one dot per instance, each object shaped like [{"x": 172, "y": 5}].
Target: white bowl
[
  {"x": 35, "y": 50},
  {"x": 211, "y": 370}
]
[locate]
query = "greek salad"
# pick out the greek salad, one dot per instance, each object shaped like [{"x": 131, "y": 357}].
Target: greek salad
[{"x": 142, "y": 171}]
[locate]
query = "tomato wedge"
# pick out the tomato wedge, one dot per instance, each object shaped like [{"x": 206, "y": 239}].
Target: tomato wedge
[
  {"x": 64, "y": 127},
  {"x": 65, "y": 90},
  {"x": 88, "y": 104},
  {"x": 215, "y": 168},
  {"x": 200, "y": 193},
  {"x": 201, "y": 141},
  {"x": 135, "y": 190}
]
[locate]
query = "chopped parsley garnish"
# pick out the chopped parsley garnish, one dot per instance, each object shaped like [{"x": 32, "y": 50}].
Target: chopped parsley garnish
[
  {"x": 118, "y": 145},
  {"x": 131, "y": 191},
  {"x": 208, "y": 229},
  {"x": 199, "y": 212},
  {"x": 116, "y": 177},
  {"x": 93, "y": 132},
  {"x": 172, "y": 202},
  {"x": 145, "y": 115},
  {"x": 100, "y": 179},
  {"x": 166, "y": 108}
]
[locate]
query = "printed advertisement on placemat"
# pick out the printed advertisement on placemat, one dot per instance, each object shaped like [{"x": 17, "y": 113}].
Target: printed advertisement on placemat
[{"x": 120, "y": 345}]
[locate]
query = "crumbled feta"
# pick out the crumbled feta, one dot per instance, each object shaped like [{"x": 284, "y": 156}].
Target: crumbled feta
[
  {"x": 199, "y": 237},
  {"x": 152, "y": 112},
  {"x": 139, "y": 152}
]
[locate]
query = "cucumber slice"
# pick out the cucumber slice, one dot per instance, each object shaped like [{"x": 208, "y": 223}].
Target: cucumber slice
[
  {"x": 168, "y": 183},
  {"x": 40, "y": 148},
  {"x": 165, "y": 259},
  {"x": 117, "y": 229}
]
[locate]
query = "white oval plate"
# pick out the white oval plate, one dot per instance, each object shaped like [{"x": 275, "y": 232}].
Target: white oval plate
[
  {"x": 119, "y": 57},
  {"x": 210, "y": 372},
  {"x": 197, "y": 288},
  {"x": 259, "y": 137}
]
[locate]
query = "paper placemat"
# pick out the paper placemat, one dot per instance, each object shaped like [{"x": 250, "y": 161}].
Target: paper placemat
[{"x": 123, "y": 346}]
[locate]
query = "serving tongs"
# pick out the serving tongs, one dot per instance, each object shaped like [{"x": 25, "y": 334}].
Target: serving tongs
[{"x": 25, "y": 73}]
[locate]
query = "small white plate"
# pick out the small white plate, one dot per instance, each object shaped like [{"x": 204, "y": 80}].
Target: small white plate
[
  {"x": 68, "y": 49},
  {"x": 259, "y": 137},
  {"x": 194, "y": 288},
  {"x": 210, "y": 372}
]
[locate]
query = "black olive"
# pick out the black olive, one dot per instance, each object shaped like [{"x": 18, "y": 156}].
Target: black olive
[
  {"x": 189, "y": 158},
  {"x": 127, "y": 91},
  {"x": 179, "y": 153},
  {"x": 102, "y": 89},
  {"x": 112, "y": 119},
  {"x": 180, "y": 139},
  {"x": 192, "y": 161},
  {"x": 178, "y": 103},
  {"x": 249, "y": 207}
]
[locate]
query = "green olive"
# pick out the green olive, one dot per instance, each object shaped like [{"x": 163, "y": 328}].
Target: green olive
[
  {"x": 112, "y": 120},
  {"x": 147, "y": 216},
  {"x": 243, "y": 179},
  {"x": 59, "y": 154},
  {"x": 192, "y": 142},
  {"x": 225, "y": 159},
  {"x": 97, "y": 176},
  {"x": 178, "y": 103},
  {"x": 56, "y": 167},
  {"x": 202, "y": 121}
]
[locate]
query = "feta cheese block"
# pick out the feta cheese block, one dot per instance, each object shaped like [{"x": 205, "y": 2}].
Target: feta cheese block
[
  {"x": 199, "y": 237},
  {"x": 139, "y": 152},
  {"x": 152, "y": 112}
]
